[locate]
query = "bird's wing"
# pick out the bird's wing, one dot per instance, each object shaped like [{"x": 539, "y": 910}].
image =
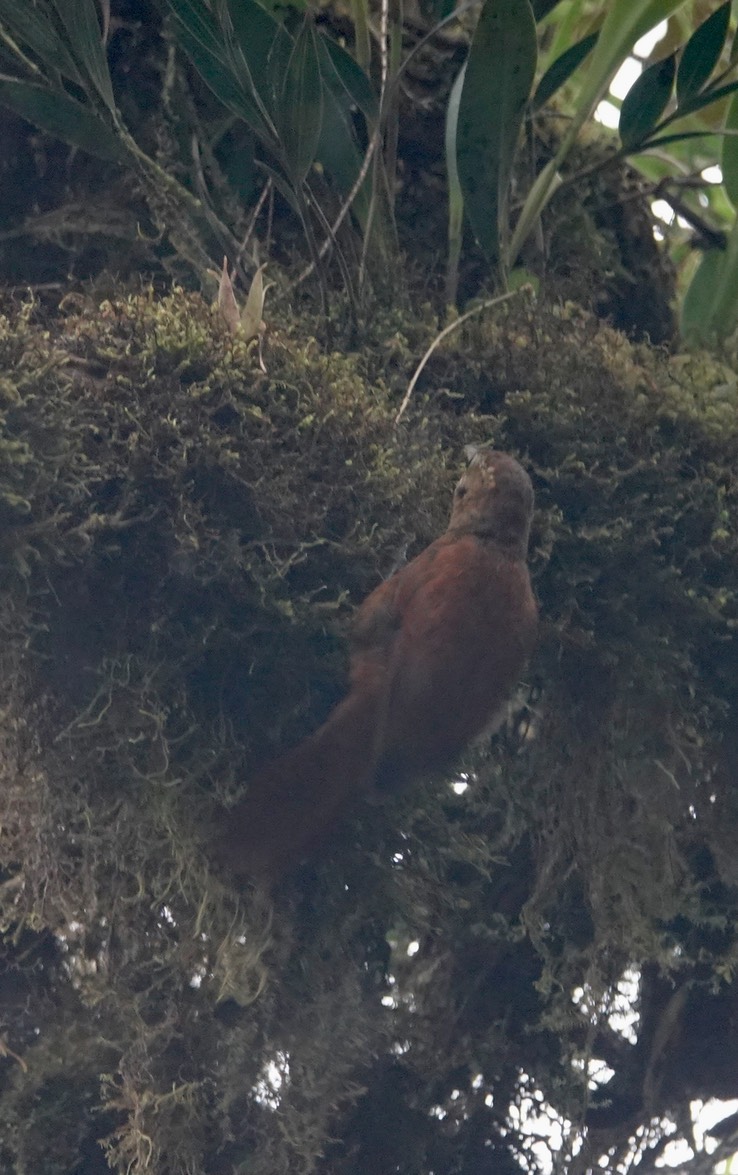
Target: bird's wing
[{"x": 379, "y": 619}]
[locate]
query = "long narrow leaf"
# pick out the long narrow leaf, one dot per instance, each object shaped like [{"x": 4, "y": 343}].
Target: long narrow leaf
[
  {"x": 663, "y": 140},
  {"x": 276, "y": 70},
  {"x": 254, "y": 30},
  {"x": 339, "y": 154},
  {"x": 499, "y": 75},
  {"x": 455, "y": 195},
  {"x": 350, "y": 76},
  {"x": 300, "y": 114},
  {"x": 625, "y": 23},
  {"x": 562, "y": 69},
  {"x": 702, "y": 53},
  {"x": 564, "y": 29},
  {"x": 542, "y": 8},
  {"x": 700, "y": 101},
  {"x": 33, "y": 30},
  {"x": 63, "y": 117},
  {"x": 282, "y": 186},
  {"x": 698, "y": 303},
  {"x": 646, "y": 101},
  {"x": 82, "y": 27},
  {"x": 198, "y": 36},
  {"x": 338, "y": 149},
  {"x": 729, "y": 159},
  {"x": 724, "y": 308},
  {"x": 194, "y": 17}
]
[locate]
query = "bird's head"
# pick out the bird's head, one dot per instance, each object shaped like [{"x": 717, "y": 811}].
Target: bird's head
[{"x": 494, "y": 499}]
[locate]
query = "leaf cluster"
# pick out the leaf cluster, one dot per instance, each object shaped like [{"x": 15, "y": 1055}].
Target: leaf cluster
[{"x": 295, "y": 112}]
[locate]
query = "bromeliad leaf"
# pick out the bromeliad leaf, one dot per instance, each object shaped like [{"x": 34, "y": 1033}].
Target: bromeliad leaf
[
  {"x": 63, "y": 117},
  {"x": 300, "y": 112},
  {"x": 646, "y": 101},
  {"x": 701, "y": 53},
  {"x": 499, "y": 75}
]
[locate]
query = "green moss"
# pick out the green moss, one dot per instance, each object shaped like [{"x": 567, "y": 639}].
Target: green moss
[{"x": 184, "y": 539}]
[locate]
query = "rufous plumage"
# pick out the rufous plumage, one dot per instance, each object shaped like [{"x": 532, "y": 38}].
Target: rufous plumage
[{"x": 436, "y": 651}]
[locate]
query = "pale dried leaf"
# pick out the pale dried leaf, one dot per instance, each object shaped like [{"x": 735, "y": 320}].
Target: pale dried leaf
[
  {"x": 251, "y": 317},
  {"x": 226, "y": 300}
]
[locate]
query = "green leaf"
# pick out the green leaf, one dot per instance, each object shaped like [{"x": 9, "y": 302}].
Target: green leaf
[
  {"x": 710, "y": 307},
  {"x": 562, "y": 32},
  {"x": 699, "y": 101},
  {"x": 562, "y": 69},
  {"x": 204, "y": 44},
  {"x": 300, "y": 113},
  {"x": 443, "y": 8},
  {"x": 254, "y": 31},
  {"x": 33, "y": 30},
  {"x": 81, "y": 24},
  {"x": 282, "y": 187},
  {"x": 336, "y": 63},
  {"x": 729, "y": 161},
  {"x": 702, "y": 53},
  {"x": 499, "y": 75},
  {"x": 276, "y": 71},
  {"x": 677, "y": 137},
  {"x": 250, "y": 36},
  {"x": 625, "y": 23},
  {"x": 542, "y": 8},
  {"x": 646, "y": 101},
  {"x": 282, "y": 9},
  {"x": 64, "y": 118},
  {"x": 338, "y": 152},
  {"x": 194, "y": 17},
  {"x": 697, "y": 305},
  {"x": 455, "y": 195},
  {"x": 724, "y": 308}
]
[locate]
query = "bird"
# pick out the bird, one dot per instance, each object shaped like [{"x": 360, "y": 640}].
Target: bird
[{"x": 436, "y": 650}]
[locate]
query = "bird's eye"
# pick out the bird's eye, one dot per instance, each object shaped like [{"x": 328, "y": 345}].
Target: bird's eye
[{"x": 461, "y": 490}]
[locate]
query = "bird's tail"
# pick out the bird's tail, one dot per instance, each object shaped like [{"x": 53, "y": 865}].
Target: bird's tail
[{"x": 296, "y": 800}]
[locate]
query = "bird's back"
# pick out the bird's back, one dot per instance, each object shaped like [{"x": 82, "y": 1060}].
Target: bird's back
[{"x": 468, "y": 623}]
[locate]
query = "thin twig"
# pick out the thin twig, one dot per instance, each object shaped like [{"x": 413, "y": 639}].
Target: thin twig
[
  {"x": 373, "y": 144},
  {"x": 225, "y": 237},
  {"x": 383, "y": 49},
  {"x": 253, "y": 219},
  {"x": 452, "y": 326}
]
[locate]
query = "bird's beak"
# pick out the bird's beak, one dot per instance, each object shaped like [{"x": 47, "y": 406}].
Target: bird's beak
[{"x": 470, "y": 452}]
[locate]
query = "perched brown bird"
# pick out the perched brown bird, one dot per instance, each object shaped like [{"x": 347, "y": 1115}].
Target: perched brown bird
[{"x": 436, "y": 650}]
